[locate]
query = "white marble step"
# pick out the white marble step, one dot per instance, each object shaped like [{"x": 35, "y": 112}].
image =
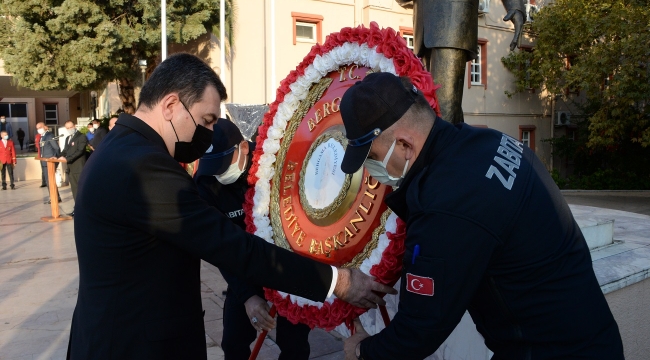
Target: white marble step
[{"x": 597, "y": 232}]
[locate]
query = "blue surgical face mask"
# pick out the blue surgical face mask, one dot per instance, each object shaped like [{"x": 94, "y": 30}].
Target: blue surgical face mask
[{"x": 377, "y": 169}]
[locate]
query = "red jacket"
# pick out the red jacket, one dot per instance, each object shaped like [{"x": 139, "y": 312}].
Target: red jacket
[{"x": 7, "y": 153}]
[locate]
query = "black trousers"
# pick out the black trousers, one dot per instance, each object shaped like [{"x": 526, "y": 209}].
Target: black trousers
[
  {"x": 5, "y": 168},
  {"x": 238, "y": 334},
  {"x": 43, "y": 173},
  {"x": 46, "y": 181},
  {"x": 74, "y": 181}
]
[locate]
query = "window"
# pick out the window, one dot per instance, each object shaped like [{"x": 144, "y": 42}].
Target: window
[
  {"x": 407, "y": 35},
  {"x": 51, "y": 114},
  {"x": 307, "y": 28},
  {"x": 527, "y": 135},
  {"x": 305, "y": 32},
  {"x": 477, "y": 68},
  {"x": 13, "y": 110}
]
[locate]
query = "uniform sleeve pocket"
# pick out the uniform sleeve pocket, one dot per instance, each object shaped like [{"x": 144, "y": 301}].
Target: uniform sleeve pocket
[{"x": 421, "y": 287}]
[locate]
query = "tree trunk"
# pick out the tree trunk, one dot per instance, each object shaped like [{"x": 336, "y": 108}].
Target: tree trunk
[{"x": 127, "y": 95}]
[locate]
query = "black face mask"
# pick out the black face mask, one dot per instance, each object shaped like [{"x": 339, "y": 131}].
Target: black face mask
[{"x": 187, "y": 152}]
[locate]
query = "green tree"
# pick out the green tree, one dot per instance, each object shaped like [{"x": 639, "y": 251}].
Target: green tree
[
  {"x": 601, "y": 49},
  {"x": 83, "y": 44}
]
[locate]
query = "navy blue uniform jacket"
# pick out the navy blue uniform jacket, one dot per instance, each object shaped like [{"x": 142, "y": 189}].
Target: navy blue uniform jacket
[
  {"x": 229, "y": 200},
  {"x": 498, "y": 239},
  {"x": 141, "y": 230}
]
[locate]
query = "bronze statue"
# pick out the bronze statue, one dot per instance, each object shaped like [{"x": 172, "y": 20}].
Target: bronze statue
[{"x": 445, "y": 37}]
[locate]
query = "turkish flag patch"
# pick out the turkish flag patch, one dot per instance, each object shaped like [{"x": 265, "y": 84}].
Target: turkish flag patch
[{"x": 420, "y": 285}]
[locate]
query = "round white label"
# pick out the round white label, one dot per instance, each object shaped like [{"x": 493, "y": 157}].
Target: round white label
[{"x": 323, "y": 177}]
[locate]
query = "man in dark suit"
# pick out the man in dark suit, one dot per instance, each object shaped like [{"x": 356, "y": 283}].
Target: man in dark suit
[
  {"x": 140, "y": 240},
  {"x": 99, "y": 134},
  {"x": 74, "y": 154},
  {"x": 48, "y": 148}
]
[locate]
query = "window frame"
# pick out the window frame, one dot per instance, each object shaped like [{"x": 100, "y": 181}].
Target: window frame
[
  {"x": 407, "y": 32},
  {"x": 56, "y": 112},
  {"x": 316, "y": 20},
  {"x": 530, "y": 129},
  {"x": 482, "y": 63}
]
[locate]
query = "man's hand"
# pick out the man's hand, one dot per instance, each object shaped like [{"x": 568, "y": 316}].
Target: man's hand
[
  {"x": 257, "y": 308},
  {"x": 360, "y": 290},
  {"x": 62, "y": 159},
  {"x": 350, "y": 344},
  {"x": 517, "y": 18}
]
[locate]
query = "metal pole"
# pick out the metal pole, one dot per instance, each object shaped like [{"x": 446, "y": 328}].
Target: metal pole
[
  {"x": 163, "y": 28},
  {"x": 222, "y": 37},
  {"x": 273, "y": 81}
]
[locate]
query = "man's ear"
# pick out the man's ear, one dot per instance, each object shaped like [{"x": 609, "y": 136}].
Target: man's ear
[
  {"x": 168, "y": 105},
  {"x": 405, "y": 143},
  {"x": 243, "y": 147}
]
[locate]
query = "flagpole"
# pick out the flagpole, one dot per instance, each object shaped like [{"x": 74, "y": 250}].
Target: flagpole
[{"x": 163, "y": 28}]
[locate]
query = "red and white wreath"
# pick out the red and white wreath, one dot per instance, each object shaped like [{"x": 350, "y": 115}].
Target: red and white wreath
[{"x": 382, "y": 50}]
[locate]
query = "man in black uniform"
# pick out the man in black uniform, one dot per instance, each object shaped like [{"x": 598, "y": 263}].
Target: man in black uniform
[
  {"x": 140, "y": 240},
  {"x": 74, "y": 154},
  {"x": 98, "y": 136},
  {"x": 488, "y": 231},
  {"x": 221, "y": 180}
]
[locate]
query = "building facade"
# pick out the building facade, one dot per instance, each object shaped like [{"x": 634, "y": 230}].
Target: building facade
[{"x": 273, "y": 36}]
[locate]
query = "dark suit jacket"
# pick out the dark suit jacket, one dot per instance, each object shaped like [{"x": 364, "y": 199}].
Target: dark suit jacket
[
  {"x": 49, "y": 147},
  {"x": 140, "y": 240},
  {"x": 75, "y": 152},
  {"x": 99, "y": 135}
]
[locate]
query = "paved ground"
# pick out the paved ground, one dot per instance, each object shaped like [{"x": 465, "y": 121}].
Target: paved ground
[
  {"x": 39, "y": 277},
  {"x": 632, "y": 201}
]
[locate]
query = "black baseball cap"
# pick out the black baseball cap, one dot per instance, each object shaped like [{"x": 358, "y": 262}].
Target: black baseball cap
[
  {"x": 369, "y": 107},
  {"x": 216, "y": 160}
]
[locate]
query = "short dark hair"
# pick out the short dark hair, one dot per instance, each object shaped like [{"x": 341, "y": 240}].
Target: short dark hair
[
  {"x": 183, "y": 73},
  {"x": 421, "y": 105}
]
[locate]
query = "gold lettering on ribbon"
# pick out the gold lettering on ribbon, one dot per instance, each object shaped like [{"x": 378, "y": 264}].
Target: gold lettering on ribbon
[
  {"x": 354, "y": 221},
  {"x": 334, "y": 102},
  {"x": 366, "y": 209},
  {"x": 301, "y": 237},
  {"x": 371, "y": 186},
  {"x": 370, "y": 195},
  {"x": 328, "y": 109},
  {"x": 342, "y": 72},
  {"x": 352, "y": 76}
]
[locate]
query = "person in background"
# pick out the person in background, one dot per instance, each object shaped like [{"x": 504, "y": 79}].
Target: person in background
[
  {"x": 6, "y": 126},
  {"x": 74, "y": 154},
  {"x": 91, "y": 132},
  {"x": 8, "y": 159},
  {"x": 21, "y": 137},
  {"x": 37, "y": 141},
  {"x": 221, "y": 181},
  {"x": 99, "y": 134},
  {"x": 48, "y": 148},
  {"x": 111, "y": 122}
]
